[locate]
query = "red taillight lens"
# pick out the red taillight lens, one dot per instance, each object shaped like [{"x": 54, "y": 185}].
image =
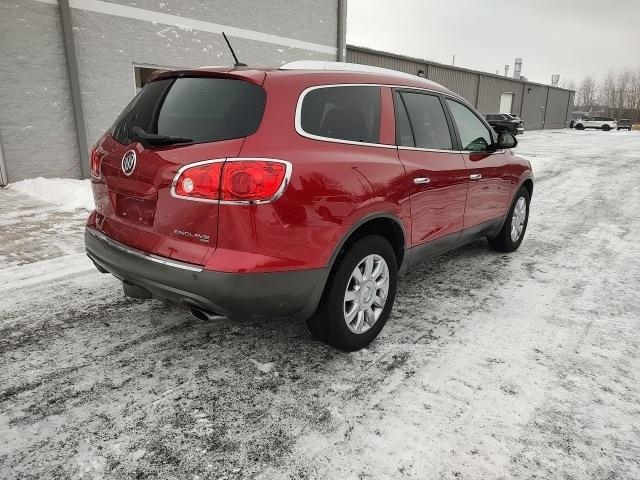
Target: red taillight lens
[
  {"x": 201, "y": 181},
  {"x": 252, "y": 180},
  {"x": 95, "y": 162}
]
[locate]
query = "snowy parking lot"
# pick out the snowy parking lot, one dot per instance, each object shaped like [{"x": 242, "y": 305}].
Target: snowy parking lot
[{"x": 492, "y": 366}]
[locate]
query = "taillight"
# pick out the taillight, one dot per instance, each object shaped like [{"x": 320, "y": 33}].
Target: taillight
[
  {"x": 252, "y": 180},
  {"x": 95, "y": 162},
  {"x": 235, "y": 181},
  {"x": 200, "y": 181}
]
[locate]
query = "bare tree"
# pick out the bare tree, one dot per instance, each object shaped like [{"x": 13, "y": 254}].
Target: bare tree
[
  {"x": 634, "y": 94},
  {"x": 608, "y": 90},
  {"x": 586, "y": 94},
  {"x": 624, "y": 79},
  {"x": 568, "y": 83}
]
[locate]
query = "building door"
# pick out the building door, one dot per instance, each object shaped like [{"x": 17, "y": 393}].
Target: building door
[{"x": 506, "y": 101}]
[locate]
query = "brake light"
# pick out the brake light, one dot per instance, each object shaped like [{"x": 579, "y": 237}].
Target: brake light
[
  {"x": 233, "y": 180},
  {"x": 252, "y": 180},
  {"x": 201, "y": 181},
  {"x": 95, "y": 163}
]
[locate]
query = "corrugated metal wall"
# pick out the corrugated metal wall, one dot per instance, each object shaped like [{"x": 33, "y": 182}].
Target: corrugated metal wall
[
  {"x": 483, "y": 90},
  {"x": 557, "y": 105},
  {"x": 491, "y": 88},
  {"x": 463, "y": 83}
]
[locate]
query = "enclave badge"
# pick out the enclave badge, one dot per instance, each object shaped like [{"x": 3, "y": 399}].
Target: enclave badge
[
  {"x": 129, "y": 162},
  {"x": 196, "y": 236}
]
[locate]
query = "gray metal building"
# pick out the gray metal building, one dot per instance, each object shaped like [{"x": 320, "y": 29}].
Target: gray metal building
[
  {"x": 539, "y": 106},
  {"x": 70, "y": 66}
]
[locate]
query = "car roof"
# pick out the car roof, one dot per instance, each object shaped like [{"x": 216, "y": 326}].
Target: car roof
[{"x": 319, "y": 72}]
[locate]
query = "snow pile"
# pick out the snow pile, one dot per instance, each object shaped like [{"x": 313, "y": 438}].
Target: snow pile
[{"x": 68, "y": 194}]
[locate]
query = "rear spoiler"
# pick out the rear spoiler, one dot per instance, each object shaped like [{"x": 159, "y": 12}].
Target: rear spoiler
[{"x": 248, "y": 75}]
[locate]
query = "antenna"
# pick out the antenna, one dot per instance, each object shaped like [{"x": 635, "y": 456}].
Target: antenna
[{"x": 237, "y": 64}]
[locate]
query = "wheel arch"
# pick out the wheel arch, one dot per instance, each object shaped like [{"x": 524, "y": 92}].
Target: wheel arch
[{"x": 384, "y": 224}]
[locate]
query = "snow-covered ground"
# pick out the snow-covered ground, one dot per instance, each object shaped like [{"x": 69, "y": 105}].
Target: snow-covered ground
[
  {"x": 66, "y": 193},
  {"x": 492, "y": 366}
]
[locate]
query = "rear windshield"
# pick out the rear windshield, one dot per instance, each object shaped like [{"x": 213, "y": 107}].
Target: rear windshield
[{"x": 202, "y": 109}]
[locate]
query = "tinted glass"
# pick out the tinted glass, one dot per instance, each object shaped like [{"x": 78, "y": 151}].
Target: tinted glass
[
  {"x": 428, "y": 121},
  {"x": 474, "y": 135},
  {"x": 345, "y": 113},
  {"x": 404, "y": 135},
  {"x": 202, "y": 109}
]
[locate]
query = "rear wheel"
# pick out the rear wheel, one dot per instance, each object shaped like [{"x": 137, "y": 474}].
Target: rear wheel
[
  {"x": 510, "y": 236},
  {"x": 606, "y": 128},
  {"x": 358, "y": 296}
]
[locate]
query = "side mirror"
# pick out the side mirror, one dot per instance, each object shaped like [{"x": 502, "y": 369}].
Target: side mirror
[{"x": 506, "y": 140}]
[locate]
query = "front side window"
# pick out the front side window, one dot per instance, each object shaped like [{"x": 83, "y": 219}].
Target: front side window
[
  {"x": 428, "y": 122},
  {"x": 198, "y": 108},
  {"x": 343, "y": 112},
  {"x": 474, "y": 135}
]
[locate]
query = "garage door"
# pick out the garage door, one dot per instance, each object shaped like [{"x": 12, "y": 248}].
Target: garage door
[{"x": 506, "y": 101}]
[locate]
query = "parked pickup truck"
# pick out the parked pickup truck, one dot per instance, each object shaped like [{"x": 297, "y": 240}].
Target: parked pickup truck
[{"x": 624, "y": 124}]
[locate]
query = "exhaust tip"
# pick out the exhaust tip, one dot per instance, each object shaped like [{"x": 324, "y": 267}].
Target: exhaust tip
[{"x": 204, "y": 315}]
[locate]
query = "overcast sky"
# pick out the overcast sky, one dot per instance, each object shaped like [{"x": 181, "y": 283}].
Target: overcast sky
[{"x": 569, "y": 37}]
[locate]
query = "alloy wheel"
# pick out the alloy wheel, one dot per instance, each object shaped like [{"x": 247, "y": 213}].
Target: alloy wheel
[
  {"x": 366, "y": 293},
  {"x": 518, "y": 219}
]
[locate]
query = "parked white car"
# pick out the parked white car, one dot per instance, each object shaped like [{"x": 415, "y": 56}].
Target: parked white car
[{"x": 601, "y": 123}]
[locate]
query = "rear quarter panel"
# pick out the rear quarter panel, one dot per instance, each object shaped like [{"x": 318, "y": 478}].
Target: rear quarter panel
[{"x": 333, "y": 186}]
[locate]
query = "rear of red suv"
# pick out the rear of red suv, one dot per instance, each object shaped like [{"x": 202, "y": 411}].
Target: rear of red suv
[{"x": 160, "y": 176}]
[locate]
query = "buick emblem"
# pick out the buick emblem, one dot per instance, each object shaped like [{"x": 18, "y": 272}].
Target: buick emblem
[{"x": 129, "y": 162}]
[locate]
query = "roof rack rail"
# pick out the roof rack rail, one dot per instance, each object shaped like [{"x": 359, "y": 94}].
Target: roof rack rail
[{"x": 349, "y": 67}]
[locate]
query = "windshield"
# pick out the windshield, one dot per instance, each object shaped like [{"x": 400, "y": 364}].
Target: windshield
[{"x": 201, "y": 109}]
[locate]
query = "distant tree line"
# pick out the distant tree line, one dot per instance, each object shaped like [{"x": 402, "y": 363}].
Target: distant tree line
[{"x": 617, "y": 94}]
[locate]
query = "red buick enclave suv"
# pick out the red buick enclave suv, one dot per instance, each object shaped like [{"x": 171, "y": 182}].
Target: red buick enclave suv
[{"x": 297, "y": 192}]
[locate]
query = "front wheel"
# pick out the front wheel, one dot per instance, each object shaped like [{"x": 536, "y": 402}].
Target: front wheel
[
  {"x": 606, "y": 128},
  {"x": 579, "y": 126},
  {"x": 358, "y": 296},
  {"x": 510, "y": 236}
]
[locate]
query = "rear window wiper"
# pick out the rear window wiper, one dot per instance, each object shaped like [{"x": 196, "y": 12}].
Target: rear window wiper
[{"x": 152, "y": 139}]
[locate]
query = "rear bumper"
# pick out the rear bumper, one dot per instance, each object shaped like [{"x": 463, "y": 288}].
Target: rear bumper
[{"x": 273, "y": 295}]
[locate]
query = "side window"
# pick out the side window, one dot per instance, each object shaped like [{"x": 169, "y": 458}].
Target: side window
[
  {"x": 428, "y": 121},
  {"x": 344, "y": 113},
  {"x": 404, "y": 134},
  {"x": 474, "y": 135}
]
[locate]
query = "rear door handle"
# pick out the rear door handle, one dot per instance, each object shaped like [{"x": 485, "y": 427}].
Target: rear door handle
[
  {"x": 421, "y": 180},
  {"x": 475, "y": 177}
]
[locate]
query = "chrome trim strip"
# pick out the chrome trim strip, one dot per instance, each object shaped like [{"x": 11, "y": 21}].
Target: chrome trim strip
[
  {"x": 298, "y": 116},
  {"x": 285, "y": 181},
  {"x": 402, "y": 147},
  {"x": 142, "y": 254}
]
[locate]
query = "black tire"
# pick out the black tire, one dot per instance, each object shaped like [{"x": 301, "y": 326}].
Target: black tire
[
  {"x": 606, "y": 128},
  {"x": 328, "y": 324},
  {"x": 579, "y": 126},
  {"x": 503, "y": 242}
]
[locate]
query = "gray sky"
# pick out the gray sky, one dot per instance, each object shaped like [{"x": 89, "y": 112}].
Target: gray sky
[{"x": 572, "y": 38}]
